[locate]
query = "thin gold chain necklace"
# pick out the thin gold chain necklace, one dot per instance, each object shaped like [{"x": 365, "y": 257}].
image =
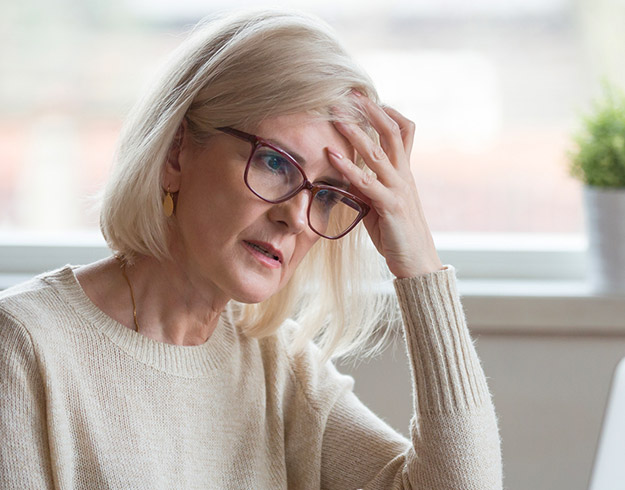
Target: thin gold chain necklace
[{"x": 122, "y": 264}]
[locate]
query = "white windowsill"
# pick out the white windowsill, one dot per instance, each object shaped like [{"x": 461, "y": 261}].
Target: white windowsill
[
  {"x": 509, "y": 283},
  {"x": 561, "y": 308}
]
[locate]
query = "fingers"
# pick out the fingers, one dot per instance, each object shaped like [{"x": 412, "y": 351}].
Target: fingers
[
  {"x": 407, "y": 128},
  {"x": 373, "y": 154},
  {"x": 365, "y": 182},
  {"x": 389, "y": 160},
  {"x": 388, "y": 129},
  {"x": 396, "y": 131}
]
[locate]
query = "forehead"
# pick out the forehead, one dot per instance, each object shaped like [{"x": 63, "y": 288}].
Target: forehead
[{"x": 306, "y": 137}]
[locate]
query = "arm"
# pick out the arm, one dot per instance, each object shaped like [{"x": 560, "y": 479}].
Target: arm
[
  {"x": 454, "y": 437},
  {"x": 454, "y": 433},
  {"x": 24, "y": 454}
]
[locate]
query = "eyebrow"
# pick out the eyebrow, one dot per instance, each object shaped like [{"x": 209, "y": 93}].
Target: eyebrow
[{"x": 302, "y": 161}]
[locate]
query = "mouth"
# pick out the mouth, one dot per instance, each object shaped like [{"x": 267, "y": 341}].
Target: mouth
[{"x": 265, "y": 249}]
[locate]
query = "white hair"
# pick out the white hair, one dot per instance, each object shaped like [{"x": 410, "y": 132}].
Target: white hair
[{"x": 236, "y": 71}]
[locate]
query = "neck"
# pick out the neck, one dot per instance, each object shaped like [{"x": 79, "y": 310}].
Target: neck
[{"x": 170, "y": 307}]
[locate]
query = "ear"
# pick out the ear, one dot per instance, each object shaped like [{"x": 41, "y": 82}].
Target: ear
[{"x": 173, "y": 165}]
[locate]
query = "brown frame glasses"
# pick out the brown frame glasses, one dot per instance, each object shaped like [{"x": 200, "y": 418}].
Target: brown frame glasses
[{"x": 258, "y": 142}]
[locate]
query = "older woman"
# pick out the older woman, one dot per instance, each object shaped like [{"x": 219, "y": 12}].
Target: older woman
[{"x": 242, "y": 183}]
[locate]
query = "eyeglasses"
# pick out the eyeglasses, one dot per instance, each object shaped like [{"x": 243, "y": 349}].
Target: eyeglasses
[{"x": 275, "y": 176}]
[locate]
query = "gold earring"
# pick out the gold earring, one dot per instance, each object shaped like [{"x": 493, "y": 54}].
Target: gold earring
[{"x": 168, "y": 204}]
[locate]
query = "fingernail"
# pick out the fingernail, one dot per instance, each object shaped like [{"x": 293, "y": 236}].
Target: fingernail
[
  {"x": 335, "y": 154},
  {"x": 356, "y": 93}
]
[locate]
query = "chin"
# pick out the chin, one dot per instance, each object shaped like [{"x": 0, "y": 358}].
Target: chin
[
  {"x": 256, "y": 294},
  {"x": 253, "y": 288},
  {"x": 251, "y": 300}
]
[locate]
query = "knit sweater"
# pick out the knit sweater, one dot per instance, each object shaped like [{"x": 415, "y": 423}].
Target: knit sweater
[{"x": 88, "y": 403}]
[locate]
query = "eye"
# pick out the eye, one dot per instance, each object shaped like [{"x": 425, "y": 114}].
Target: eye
[
  {"x": 274, "y": 162},
  {"x": 328, "y": 197}
]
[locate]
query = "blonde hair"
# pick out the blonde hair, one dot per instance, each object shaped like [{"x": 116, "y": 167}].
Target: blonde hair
[{"x": 237, "y": 71}]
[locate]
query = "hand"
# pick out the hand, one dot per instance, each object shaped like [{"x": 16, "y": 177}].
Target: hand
[{"x": 396, "y": 222}]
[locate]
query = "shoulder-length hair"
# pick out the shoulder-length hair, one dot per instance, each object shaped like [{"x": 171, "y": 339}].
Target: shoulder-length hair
[{"x": 236, "y": 71}]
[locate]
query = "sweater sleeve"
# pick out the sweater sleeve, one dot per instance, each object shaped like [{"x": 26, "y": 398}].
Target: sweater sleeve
[
  {"x": 24, "y": 452},
  {"x": 454, "y": 436}
]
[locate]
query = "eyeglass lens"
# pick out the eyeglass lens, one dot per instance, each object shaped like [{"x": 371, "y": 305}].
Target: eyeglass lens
[{"x": 274, "y": 176}]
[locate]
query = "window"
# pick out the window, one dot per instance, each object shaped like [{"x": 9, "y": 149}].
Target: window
[{"x": 496, "y": 89}]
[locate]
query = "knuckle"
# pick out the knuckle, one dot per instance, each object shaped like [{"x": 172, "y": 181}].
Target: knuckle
[
  {"x": 378, "y": 152},
  {"x": 395, "y": 129},
  {"x": 368, "y": 178}
]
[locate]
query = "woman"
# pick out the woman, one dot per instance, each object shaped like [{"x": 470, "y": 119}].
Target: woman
[{"x": 242, "y": 183}]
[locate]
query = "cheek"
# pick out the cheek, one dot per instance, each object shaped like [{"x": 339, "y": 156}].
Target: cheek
[{"x": 214, "y": 198}]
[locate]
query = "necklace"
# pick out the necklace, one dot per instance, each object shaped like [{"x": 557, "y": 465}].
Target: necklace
[{"x": 122, "y": 265}]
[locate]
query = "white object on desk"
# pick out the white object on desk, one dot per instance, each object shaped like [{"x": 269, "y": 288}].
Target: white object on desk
[{"x": 609, "y": 468}]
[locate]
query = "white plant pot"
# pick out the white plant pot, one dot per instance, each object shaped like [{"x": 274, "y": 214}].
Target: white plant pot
[{"x": 605, "y": 222}]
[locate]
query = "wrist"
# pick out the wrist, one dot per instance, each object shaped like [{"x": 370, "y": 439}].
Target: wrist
[{"x": 421, "y": 269}]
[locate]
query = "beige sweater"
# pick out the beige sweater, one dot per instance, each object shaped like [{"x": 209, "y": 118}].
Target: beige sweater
[{"x": 88, "y": 403}]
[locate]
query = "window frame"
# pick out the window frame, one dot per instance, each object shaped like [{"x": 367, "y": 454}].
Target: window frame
[
  {"x": 510, "y": 284},
  {"x": 481, "y": 256}
]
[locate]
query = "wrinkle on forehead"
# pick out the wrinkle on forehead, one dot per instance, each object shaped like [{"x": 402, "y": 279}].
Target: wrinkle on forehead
[{"x": 306, "y": 138}]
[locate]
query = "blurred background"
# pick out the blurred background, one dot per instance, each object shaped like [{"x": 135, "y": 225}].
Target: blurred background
[{"x": 496, "y": 88}]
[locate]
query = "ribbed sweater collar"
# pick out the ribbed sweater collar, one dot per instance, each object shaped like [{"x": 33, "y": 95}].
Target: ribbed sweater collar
[{"x": 186, "y": 361}]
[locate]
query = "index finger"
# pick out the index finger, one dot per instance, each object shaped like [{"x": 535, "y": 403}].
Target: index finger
[{"x": 388, "y": 128}]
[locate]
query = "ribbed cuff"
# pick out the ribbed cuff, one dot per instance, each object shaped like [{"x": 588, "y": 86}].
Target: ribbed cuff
[{"x": 446, "y": 370}]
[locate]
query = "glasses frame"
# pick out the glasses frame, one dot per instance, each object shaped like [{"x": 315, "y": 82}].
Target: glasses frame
[{"x": 258, "y": 142}]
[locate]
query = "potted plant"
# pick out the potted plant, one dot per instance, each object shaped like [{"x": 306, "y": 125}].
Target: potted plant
[{"x": 599, "y": 162}]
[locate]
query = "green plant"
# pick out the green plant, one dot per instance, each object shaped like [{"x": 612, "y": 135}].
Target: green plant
[{"x": 599, "y": 159}]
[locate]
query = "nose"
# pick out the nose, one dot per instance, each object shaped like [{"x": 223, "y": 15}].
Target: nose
[{"x": 292, "y": 213}]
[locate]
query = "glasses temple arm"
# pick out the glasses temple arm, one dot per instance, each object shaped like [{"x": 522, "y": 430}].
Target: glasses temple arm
[{"x": 238, "y": 134}]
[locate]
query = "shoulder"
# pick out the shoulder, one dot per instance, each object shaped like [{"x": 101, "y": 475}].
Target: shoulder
[
  {"x": 35, "y": 301},
  {"x": 29, "y": 315},
  {"x": 34, "y": 294}
]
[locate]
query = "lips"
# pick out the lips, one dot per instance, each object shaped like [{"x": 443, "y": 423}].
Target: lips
[{"x": 266, "y": 249}]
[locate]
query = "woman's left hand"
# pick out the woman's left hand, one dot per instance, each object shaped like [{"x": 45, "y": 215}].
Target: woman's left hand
[{"x": 396, "y": 222}]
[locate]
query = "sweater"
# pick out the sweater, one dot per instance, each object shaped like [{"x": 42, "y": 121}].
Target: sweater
[{"x": 87, "y": 403}]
